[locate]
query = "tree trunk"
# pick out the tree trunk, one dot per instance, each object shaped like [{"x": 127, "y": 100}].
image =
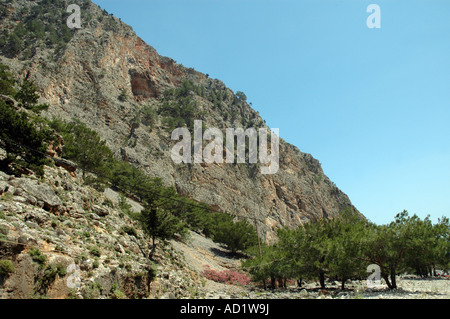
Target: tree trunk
[
  {"x": 393, "y": 280},
  {"x": 322, "y": 279},
  {"x": 280, "y": 282},
  {"x": 152, "y": 251},
  {"x": 299, "y": 283},
  {"x": 272, "y": 282},
  {"x": 386, "y": 279},
  {"x": 343, "y": 283}
]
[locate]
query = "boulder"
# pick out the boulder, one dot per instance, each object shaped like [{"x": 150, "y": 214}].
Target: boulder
[
  {"x": 41, "y": 192},
  {"x": 3, "y": 187},
  {"x": 100, "y": 211}
]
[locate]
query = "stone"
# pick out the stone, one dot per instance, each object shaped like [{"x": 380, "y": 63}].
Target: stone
[
  {"x": 3, "y": 187},
  {"x": 36, "y": 217},
  {"x": 101, "y": 211},
  {"x": 4, "y": 176},
  {"x": 42, "y": 192},
  {"x": 20, "y": 199}
]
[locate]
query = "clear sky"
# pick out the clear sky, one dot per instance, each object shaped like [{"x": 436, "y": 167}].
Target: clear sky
[{"x": 372, "y": 105}]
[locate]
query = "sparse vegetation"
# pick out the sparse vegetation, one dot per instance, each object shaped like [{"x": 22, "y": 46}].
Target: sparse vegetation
[
  {"x": 39, "y": 25},
  {"x": 37, "y": 256},
  {"x": 95, "y": 251},
  {"x": 179, "y": 109},
  {"x": 6, "y": 267}
]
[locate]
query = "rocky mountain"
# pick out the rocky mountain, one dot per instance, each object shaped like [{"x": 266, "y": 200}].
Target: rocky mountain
[{"x": 104, "y": 75}]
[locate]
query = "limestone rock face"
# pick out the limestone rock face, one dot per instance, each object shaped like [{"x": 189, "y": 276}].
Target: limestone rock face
[{"x": 105, "y": 74}]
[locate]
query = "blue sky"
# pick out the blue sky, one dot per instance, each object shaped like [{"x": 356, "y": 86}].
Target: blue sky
[{"x": 373, "y": 105}]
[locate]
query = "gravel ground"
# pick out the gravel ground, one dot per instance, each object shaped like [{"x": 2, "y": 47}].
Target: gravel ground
[{"x": 410, "y": 288}]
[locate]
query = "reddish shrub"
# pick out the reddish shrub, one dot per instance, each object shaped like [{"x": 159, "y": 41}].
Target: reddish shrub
[{"x": 229, "y": 277}]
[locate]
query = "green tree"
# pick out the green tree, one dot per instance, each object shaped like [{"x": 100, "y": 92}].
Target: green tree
[
  {"x": 7, "y": 81},
  {"x": 84, "y": 146},
  {"x": 267, "y": 263},
  {"x": 148, "y": 116},
  {"x": 345, "y": 259},
  {"x": 441, "y": 248},
  {"x": 428, "y": 245},
  {"x": 179, "y": 109},
  {"x": 15, "y": 45},
  {"x": 241, "y": 96},
  {"x": 28, "y": 97},
  {"x": 24, "y": 139},
  {"x": 292, "y": 244},
  {"x": 161, "y": 225},
  {"x": 315, "y": 248},
  {"x": 387, "y": 246},
  {"x": 236, "y": 236}
]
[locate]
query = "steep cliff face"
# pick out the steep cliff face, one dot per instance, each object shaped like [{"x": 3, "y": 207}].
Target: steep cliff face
[{"x": 105, "y": 75}]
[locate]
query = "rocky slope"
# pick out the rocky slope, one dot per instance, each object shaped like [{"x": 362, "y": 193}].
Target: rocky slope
[
  {"x": 67, "y": 240},
  {"x": 104, "y": 74}
]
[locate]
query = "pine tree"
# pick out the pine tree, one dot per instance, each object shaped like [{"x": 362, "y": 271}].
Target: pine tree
[
  {"x": 235, "y": 235},
  {"x": 344, "y": 250},
  {"x": 22, "y": 138},
  {"x": 84, "y": 146},
  {"x": 7, "y": 81},
  {"x": 161, "y": 225}
]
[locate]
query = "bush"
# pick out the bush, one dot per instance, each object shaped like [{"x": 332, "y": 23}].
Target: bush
[
  {"x": 129, "y": 230},
  {"x": 49, "y": 276},
  {"x": 148, "y": 115},
  {"x": 6, "y": 267},
  {"x": 241, "y": 96},
  {"x": 94, "y": 250},
  {"x": 123, "y": 97},
  {"x": 37, "y": 256},
  {"x": 229, "y": 277}
]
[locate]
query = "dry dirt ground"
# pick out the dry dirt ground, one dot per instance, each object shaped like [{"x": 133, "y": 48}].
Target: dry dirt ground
[{"x": 200, "y": 251}]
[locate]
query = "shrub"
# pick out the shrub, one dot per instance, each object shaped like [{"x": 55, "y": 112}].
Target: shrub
[
  {"x": 148, "y": 115},
  {"x": 6, "y": 267},
  {"x": 227, "y": 276},
  {"x": 7, "y": 81},
  {"x": 123, "y": 97},
  {"x": 241, "y": 96},
  {"x": 130, "y": 230},
  {"x": 94, "y": 250},
  {"x": 116, "y": 293},
  {"x": 49, "y": 276},
  {"x": 37, "y": 256}
]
